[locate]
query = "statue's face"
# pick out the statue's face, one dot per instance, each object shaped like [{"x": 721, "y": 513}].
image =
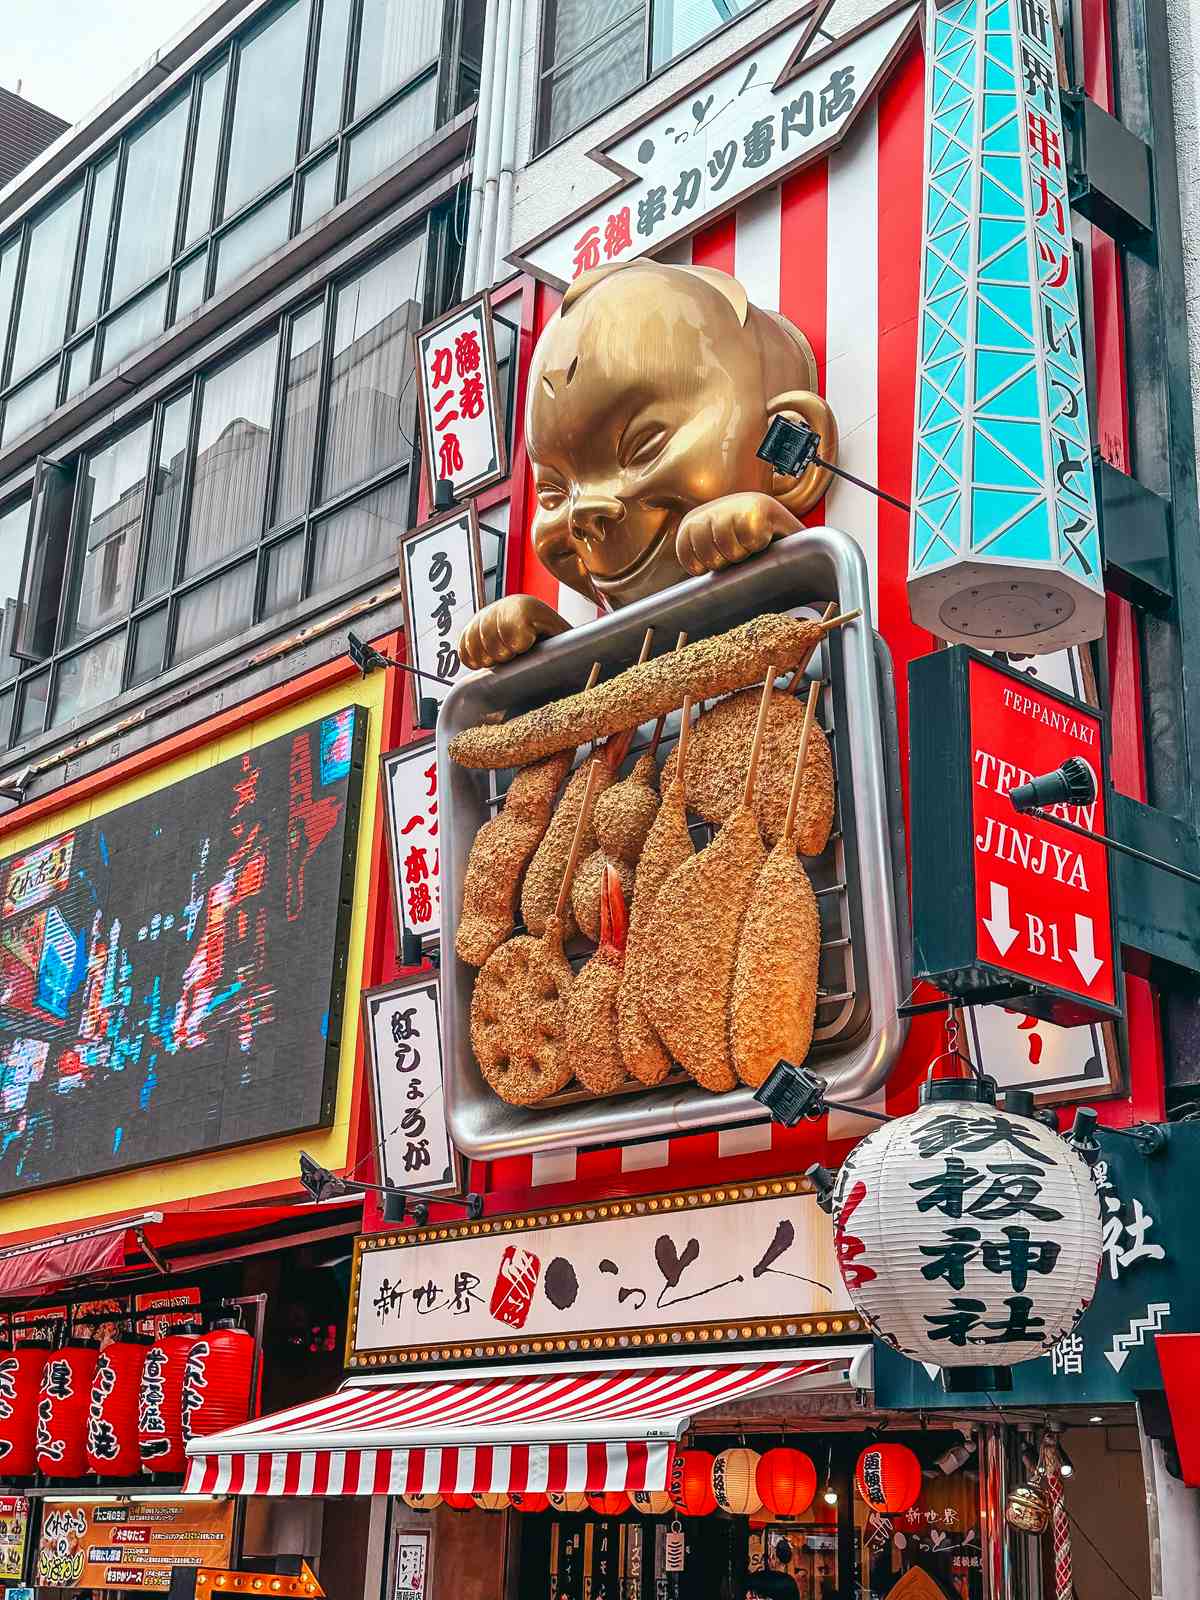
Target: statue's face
[{"x": 645, "y": 400}]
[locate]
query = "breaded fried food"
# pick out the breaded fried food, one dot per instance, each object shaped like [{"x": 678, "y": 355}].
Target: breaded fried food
[
  {"x": 544, "y": 876},
  {"x": 774, "y": 999},
  {"x": 686, "y": 973},
  {"x": 500, "y": 853},
  {"x": 717, "y": 758},
  {"x": 518, "y": 1022},
  {"x": 591, "y": 1006},
  {"x": 705, "y": 669},
  {"x": 587, "y": 890},
  {"x": 624, "y": 815}
]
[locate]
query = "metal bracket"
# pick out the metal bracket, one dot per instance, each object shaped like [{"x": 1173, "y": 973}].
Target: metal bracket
[
  {"x": 1109, "y": 179},
  {"x": 1135, "y": 536},
  {"x": 981, "y": 997}
]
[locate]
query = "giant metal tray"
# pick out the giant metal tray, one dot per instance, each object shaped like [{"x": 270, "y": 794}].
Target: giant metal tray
[{"x": 864, "y": 949}]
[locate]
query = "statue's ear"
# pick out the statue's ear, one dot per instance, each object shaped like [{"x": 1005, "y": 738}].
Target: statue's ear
[
  {"x": 589, "y": 280},
  {"x": 728, "y": 288},
  {"x": 801, "y": 405}
]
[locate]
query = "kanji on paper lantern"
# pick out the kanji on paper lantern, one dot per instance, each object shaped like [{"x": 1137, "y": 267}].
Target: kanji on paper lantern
[
  {"x": 62, "y": 1411},
  {"x": 491, "y": 1502},
  {"x": 217, "y": 1375},
  {"x": 609, "y": 1503},
  {"x": 112, "y": 1422},
  {"x": 786, "y": 1481},
  {"x": 967, "y": 1236},
  {"x": 528, "y": 1500},
  {"x": 690, "y": 1483},
  {"x": 568, "y": 1500},
  {"x": 734, "y": 1482},
  {"x": 460, "y": 1502},
  {"x": 160, "y": 1403},
  {"x": 422, "y": 1502},
  {"x": 651, "y": 1502},
  {"x": 20, "y": 1385},
  {"x": 888, "y": 1477}
]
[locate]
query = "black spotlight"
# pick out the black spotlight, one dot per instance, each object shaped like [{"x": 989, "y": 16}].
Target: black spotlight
[
  {"x": 789, "y": 446},
  {"x": 791, "y": 1093},
  {"x": 443, "y": 495},
  {"x": 364, "y": 656},
  {"x": 1072, "y": 784}
]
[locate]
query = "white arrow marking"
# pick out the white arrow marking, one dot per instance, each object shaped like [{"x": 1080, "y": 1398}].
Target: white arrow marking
[
  {"x": 1135, "y": 1334},
  {"x": 1084, "y": 954},
  {"x": 998, "y": 924}
]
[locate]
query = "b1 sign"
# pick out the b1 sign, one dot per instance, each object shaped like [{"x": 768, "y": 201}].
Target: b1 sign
[{"x": 1006, "y": 906}]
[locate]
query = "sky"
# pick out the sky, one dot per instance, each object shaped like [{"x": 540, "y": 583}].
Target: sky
[{"x": 70, "y": 54}]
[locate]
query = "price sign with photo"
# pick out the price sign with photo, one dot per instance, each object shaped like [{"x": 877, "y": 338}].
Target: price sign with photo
[
  {"x": 461, "y": 429},
  {"x": 443, "y": 589},
  {"x": 404, "y": 1038},
  {"x": 410, "y": 800}
]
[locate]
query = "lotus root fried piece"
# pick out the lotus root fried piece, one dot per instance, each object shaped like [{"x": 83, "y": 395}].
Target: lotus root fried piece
[
  {"x": 518, "y": 1021},
  {"x": 499, "y": 854},
  {"x": 668, "y": 845},
  {"x": 775, "y": 978},
  {"x": 692, "y": 937},
  {"x": 716, "y": 767},
  {"x": 585, "y": 890},
  {"x": 705, "y": 669},
  {"x": 544, "y": 877}
]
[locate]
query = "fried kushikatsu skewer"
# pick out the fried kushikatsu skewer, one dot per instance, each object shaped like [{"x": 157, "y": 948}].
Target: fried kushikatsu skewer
[
  {"x": 709, "y": 667},
  {"x": 668, "y": 845},
  {"x": 694, "y": 930},
  {"x": 518, "y": 1018},
  {"x": 774, "y": 998},
  {"x": 591, "y": 1006}
]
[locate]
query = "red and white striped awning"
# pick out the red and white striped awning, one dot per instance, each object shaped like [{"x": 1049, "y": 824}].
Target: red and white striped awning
[{"x": 549, "y": 1428}]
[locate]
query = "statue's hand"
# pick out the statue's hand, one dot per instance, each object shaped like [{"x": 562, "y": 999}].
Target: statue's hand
[
  {"x": 507, "y": 628},
  {"x": 728, "y": 530}
]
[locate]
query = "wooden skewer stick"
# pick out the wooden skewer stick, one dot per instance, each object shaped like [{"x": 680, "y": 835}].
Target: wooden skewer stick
[
  {"x": 593, "y": 677},
  {"x": 827, "y": 625},
  {"x": 685, "y": 734},
  {"x": 798, "y": 676},
  {"x": 647, "y": 641},
  {"x": 814, "y": 694},
  {"x": 760, "y": 727},
  {"x": 662, "y": 721},
  {"x": 585, "y": 813}
]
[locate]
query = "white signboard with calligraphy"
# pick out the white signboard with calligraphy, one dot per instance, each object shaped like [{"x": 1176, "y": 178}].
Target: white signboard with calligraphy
[
  {"x": 461, "y": 427},
  {"x": 409, "y": 778},
  {"x": 758, "y": 118},
  {"x": 404, "y": 1040},
  {"x": 753, "y": 1262},
  {"x": 412, "y": 1565},
  {"x": 443, "y": 589}
]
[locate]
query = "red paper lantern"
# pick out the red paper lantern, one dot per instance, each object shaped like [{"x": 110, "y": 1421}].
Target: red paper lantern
[
  {"x": 888, "y": 1477},
  {"x": 62, "y": 1411},
  {"x": 20, "y": 1385},
  {"x": 786, "y": 1481},
  {"x": 112, "y": 1424},
  {"x": 690, "y": 1483},
  {"x": 160, "y": 1403},
  {"x": 608, "y": 1503},
  {"x": 218, "y": 1370},
  {"x": 529, "y": 1501},
  {"x": 459, "y": 1502}
]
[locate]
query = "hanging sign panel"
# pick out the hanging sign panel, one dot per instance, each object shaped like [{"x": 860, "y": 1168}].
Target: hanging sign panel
[
  {"x": 461, "y": 426},
  {"x": 133, "y": 1544},
  {"x": 410, "y": 800},
  {"x": 753, "y": 1262},
  {"x": 443, "y": 589},
  {"x": 1005, "y": 548},
  {"x": 404, "y": 1037},
  {"x": 786, "y": 100},
  {"x": 1007, "y": 906}
]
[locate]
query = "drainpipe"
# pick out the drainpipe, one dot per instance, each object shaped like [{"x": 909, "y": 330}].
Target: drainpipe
[
  {"x": 483, "y": 122},
  {"x": 487, "y": 229},
  {"x": 512, "y": 97}
]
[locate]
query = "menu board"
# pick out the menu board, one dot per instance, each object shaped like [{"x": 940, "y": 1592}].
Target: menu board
[
  {"x": 14, "y": 1529},
  {"x": 130, "y": 1545}
]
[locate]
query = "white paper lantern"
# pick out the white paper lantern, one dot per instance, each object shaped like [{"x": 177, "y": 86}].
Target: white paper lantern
[
  {"x": 422, "y": 1502},
  {"x": 733, "y": 1481},
  {"x": 967, "y": 1236},
  {"x": 568, "y": 1500},
  {"x": 491, "y": 1502},
  {"x": 651, "y": 1502}
]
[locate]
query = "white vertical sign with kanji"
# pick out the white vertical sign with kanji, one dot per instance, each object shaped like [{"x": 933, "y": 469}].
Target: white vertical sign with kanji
[
  {"x": 410, "y": 799},
  {"x": 412, "y": 1565},
  {"x": 461, "y": 430},
  {"x": 404, "y": 1038},
  {"x": 443, "y": 589}
]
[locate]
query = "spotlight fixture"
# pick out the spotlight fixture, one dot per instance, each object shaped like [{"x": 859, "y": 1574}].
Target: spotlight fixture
[
  {"x": 15, "y": 788},
  {"x": 791, "y": 1093},
  {"x": 822, "y": 1180},
  {"x": 443, "y": 495},
  {"x": 791, "y": 448},
  {"x": 957, "y": 1456},
  {"x": 321, "y": 1184},
  {"x": 366, "y": 658},
  {"x": 829, "y": 1494},
  {"x": 1072, "y": 784}
]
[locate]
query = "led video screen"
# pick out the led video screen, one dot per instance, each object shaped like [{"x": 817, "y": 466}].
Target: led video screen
[{"x": 171, "y": 974}]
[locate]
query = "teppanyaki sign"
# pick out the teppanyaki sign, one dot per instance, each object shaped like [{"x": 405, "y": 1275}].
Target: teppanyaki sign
[
  {"x": 786, "y": 99},
  {"x": 1006, "y": 906},
  {"x": 752, "y": 1262}
]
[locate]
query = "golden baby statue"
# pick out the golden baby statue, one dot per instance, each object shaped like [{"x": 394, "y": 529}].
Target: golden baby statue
[{"x": 649, "y": 394}]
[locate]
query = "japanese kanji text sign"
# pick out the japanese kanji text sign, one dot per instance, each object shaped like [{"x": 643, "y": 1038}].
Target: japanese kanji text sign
[
  {"x": 757, "y": 119},
  {"x": 404, "y": 1039},
  {"x": 443, "y": 589},
  {"x": 757, "y": 1264},
  {"x": 409, "y": 777},
  {"x": 1005, "y": 548},
  {"x": 461, "y": 428},
  {"x": 131, "y": 1545},
  {"x": 1005, "y": 902}
]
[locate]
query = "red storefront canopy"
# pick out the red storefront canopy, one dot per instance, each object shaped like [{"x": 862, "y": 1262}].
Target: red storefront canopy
[
  {"x": 1179, "y": 1358},
  {"x": 554, "y": 1428}
]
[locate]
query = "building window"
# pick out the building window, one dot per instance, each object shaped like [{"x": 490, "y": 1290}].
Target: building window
[
  {"x": 594, "y": 52},
  {"x": 282, "y": 473},
  {"x": 269, "y": 134}
]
